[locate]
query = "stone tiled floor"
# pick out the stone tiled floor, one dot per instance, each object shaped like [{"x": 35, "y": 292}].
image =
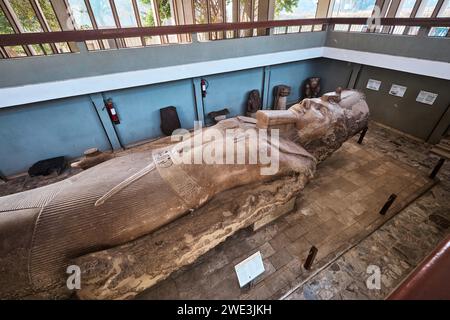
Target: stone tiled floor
[
  {"x": 399, "y": 245},
  {"x": 337, "y": 209}
]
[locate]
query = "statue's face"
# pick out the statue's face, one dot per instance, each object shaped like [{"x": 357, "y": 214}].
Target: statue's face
[{"x": 316, "y": 117}]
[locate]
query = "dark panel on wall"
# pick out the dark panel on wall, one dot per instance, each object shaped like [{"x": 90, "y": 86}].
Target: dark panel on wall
[
  {"x": 138, "y": 109},
  {"x": 64, "y": 127},
  {"x": 405, "y": 114}
]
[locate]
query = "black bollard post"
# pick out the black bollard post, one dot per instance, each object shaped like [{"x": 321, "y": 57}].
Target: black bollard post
[
  {"x": 362, "y": 135},
  {"x": 388, "y": 204},
  {"x": 310, "y": 259},
  {"x": 437, "y": 168}
]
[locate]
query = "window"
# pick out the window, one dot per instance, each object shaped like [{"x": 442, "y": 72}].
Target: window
[
  {"x": 147, "y": 16},
  {"x": 444, "y": 12},
  {"x": 126, "y": 14},
  {"x": 26, "y": 15},
  {"x": 425, "y": 10},
  {"x": 5, "y": 27},
  {"x": 49, "y": 15},
  {"x": 80, "y": 14},
  {"x": 300, "y": 9},
  {"x": 103, "y": 13},
  {"x": 352, "y": 8},
  {"x": 209, "y": 11},
  {"x": 404, "y": 11}
]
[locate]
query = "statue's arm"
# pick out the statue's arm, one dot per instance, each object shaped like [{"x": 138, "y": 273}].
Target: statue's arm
[{"x": 274, "y": 118}]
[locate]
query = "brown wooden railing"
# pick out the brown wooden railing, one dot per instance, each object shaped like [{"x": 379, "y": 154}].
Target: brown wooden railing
[{"x": 83, "y": 35}]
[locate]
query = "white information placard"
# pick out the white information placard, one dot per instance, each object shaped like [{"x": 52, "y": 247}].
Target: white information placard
[
  {"x": 426, "y": 97},
  {"x": 249, "y": 269},
  {"x": 373, "y": 84},
  {"x": 397, "y": 90}
]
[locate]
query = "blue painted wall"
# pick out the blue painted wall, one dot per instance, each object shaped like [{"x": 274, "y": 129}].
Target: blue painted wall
[
  {"x": 138, "y": 109},
  {"x": 67, "y": 127},
  {"x": 290, "y": 74},
  {"x": 30, "y": 133},
  {"x": 230, "y": 90}
]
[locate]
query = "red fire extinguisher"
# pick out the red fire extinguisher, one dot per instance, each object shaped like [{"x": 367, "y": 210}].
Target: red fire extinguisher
[
  {"x": 112, "y": 111},
  {"x": 204, "y": 86}
]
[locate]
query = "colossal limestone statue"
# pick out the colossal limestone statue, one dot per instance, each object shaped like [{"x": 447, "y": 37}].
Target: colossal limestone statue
[{"x": 131, "y": 221}]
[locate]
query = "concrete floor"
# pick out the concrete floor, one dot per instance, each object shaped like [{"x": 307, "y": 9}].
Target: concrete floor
[{"x": 399, "y": 245}]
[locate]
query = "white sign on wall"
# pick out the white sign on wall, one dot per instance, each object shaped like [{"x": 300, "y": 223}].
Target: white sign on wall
[
  {"x": 373, "y": 84},
  {"x": 426, "y": 97},
  {"x": 397, "y": 90}
]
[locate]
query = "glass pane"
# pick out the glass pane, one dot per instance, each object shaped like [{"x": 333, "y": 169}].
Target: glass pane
[
  {"x": 229, "y": 11},
  {"x": 413, "y": 31},
  {"x": 405, "y": 8},
  {"x": 125, "y": 12},
  {"x": 353, "y": 8},
  {"x": 293, "y": 29},
  {"x": 37, "y": 50},
  {"x": 165, "y": 14},
  {"x": 245, "y": 10},
  {"x": 151, "y": 41},
  {"x": 318, "y": 27},
  {"x": 245, "y": 15},
  {"x": 444, "y": 12},
  {"x": 341, "y": 27},
  {"x": 306, "y": 28},
  {"x": 255, "y": 10},
  {"x": 16, "y": 51},
  {"x": 438, "y": 32},
  {"x": 92, "y": 45},
  {"x": 25, "y": 13},
  {"x": 49, "y": 15},
  {"x": 201, "y": 16},
  {"x": 80, "y": 14},
  {"x": 300, "y": 9},
  {"x": 357, "y": 28},
  {"x": 399, "y": 30},
  {"x": 146, "y": 13},
  {"x": 47, "y": 48},
  {"x": 5, "y": 27},
  {"x": 426, "y": 8},
  {"x": 62, "y": 47},
  {"x": 200, "y": 11},
  {"x": 215, "y": 11},
  {"x": 102, "y": 13},
  {"x": 133, "y": 42},
  {"x": 147, "y": 17}
]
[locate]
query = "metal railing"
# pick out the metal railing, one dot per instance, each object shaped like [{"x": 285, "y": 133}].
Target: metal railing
[{"x": 99, "y": 34}]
